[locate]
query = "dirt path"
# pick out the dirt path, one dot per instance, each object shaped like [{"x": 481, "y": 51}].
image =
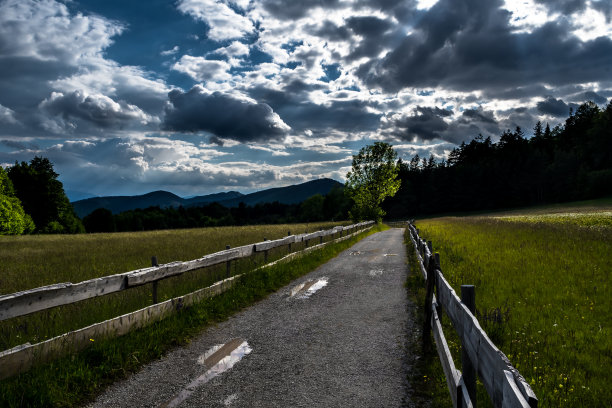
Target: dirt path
[{"x": 336, "y": 337}]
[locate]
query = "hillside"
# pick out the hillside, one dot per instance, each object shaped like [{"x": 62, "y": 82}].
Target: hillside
[{"x": 285, "y": 195}]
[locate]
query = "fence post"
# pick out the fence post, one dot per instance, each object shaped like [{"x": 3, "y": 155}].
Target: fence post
[
  {"x": 321, "y": 238},
  {"x": 468, "y": 298},
  {"x": 228, "y": 265},
  {"x": 289, "y": 234},
  {"x": 428, "y": 298},
  {"x": 265, "y": 252},
  {"x": 154, "y": 292}
]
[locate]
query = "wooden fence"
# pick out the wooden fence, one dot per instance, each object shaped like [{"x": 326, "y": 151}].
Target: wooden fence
[
  {"x": 504, "y": 384},
  {"x": 21, "y": 358}
]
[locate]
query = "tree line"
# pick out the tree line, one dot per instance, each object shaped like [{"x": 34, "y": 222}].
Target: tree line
[
  {"x": 333, "y": 206},
  {"x": 32, "y": 200},
  {"x": 571, "y": 161}
]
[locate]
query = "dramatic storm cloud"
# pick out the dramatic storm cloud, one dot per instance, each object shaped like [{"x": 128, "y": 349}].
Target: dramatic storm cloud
[
  {"x": 201, "y": 96},
  {"x": 223, "y": 115}
]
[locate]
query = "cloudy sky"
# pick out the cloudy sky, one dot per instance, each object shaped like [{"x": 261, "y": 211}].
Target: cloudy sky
[{"x": 203, "y": 96}]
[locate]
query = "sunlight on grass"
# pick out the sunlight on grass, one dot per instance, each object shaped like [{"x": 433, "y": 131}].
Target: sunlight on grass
[
  {"x": 542, "y": 294},
  {"x": 590, "y": 220}
]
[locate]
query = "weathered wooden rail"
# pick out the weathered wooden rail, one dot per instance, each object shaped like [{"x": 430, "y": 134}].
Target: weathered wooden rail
[
  {"x": 21, "y": 358},
  {"x": 504, "y": 384}
]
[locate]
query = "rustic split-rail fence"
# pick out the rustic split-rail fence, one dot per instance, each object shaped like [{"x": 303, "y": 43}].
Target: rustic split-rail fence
[
  {"x": 504, "y": 384},
  {"x": 21, "y": 358}
]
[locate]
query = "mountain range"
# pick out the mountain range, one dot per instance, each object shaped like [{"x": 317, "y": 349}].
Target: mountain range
[{"x": 285, "y": 195}]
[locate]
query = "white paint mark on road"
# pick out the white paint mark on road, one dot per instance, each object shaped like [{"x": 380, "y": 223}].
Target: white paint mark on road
[
  {"x": 217, "y": 360},
  {"x": 306, "y": 289},
  {"x": 375, "y": 272},
  {"x": 390, "y": 254},
  {"x": 230, "y": 400}
]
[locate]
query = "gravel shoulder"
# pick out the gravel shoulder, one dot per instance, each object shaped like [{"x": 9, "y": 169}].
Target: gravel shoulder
[{"x": 346, "y": 344}]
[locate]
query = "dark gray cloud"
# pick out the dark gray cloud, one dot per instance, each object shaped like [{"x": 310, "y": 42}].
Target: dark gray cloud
[
  {"x": 469, "y": 44},
  {"x": 99, "y": 110},
  {"x": 301, "y": 114},
  {"x": 223, "y": 115},
  {"x": 374, "y": 33},
  {"x": 329, "y": 31},
  {"x": 13, "y": 144},
  {"x": 552, "y": 106},
  {"x": 427, "y": 123},
  {"x": 566, "y": 6},
  {"x": 368, "y": 25},
  {"x": 595, "y": 97}
]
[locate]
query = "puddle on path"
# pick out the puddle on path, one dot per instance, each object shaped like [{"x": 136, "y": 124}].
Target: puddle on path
[
  {"x": 375, "y": 272},
  {"x": 306, "y": 289},
  {"x": 217, "y": 360}
]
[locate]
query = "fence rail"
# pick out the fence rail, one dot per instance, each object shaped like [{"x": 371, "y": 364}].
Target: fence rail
[
  {"x": 22, "y": 358},
  {"x": 504, "y": 384}
]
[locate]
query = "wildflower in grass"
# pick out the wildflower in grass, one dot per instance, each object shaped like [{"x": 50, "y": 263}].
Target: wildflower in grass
[{"x": 91, "y": 339}]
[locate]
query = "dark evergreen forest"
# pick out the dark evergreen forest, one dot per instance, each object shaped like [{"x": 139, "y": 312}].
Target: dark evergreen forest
[{"x": 572, "y": 161}]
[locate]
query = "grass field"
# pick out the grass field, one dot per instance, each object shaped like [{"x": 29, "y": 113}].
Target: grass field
[
  {"x": 77, "y": 378},
  {"x": 32, "y": 261},
  {"x": 542, "y": 282}
]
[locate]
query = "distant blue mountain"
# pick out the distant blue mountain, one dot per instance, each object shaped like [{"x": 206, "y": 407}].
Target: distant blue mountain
[
  {"x": 285, "y": 195},
  {"x": 74, "y": 195}
]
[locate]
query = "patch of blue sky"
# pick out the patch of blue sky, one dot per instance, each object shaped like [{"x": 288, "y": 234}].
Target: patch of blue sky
[
  {"x": 332, "y": 72},
  {"x": 292, "y": 45},
  {"x": 151, "y": 28}
]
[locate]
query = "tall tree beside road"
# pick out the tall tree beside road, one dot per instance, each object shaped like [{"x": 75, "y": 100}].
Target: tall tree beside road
[
  {"x": 372, "y": 178},
  {"x": 43, "y": 197},
  {"x": 13, "y": 220}
]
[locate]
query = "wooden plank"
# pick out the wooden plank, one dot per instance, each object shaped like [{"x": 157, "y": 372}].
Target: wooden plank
[
  {"x": 491, "y": 369},
  {"x": 450, "y": 302},
  {"x": 311, "y": 248},
  {"x": 312, "y": 235},
  {"x": 266, "y": 245},
  {"x": 176, "y": 268},
  {"x": 465, "y": 396},
  {"x": 46, "y": 297},
  {"x": 512, "y": 397},
  {"x": 22, "y": 358},
  {"x": 448, "y": 366}
]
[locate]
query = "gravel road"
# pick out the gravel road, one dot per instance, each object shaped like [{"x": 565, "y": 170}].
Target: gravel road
[{"x": 340, "y": 341}]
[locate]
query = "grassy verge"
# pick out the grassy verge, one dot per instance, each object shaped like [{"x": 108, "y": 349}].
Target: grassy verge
[
  {"x": 426, "y": 376},
  {"x": 542, "y": 294},
  {"x": 78, "y": 378}
]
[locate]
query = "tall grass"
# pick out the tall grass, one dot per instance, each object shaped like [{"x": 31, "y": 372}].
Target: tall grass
[
  {"x": 542, "y": 294},
  {"x": 78, "y": 378},
  {"x": 31, "y": 261}
]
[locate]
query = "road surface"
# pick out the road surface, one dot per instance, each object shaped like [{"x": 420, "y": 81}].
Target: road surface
[{"x": 337, "y": 337}]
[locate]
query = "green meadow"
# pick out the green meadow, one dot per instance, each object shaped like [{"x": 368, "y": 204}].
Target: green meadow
[
  {"x": 542, "y": 282},
  {"x": 36, "y": 260}
]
